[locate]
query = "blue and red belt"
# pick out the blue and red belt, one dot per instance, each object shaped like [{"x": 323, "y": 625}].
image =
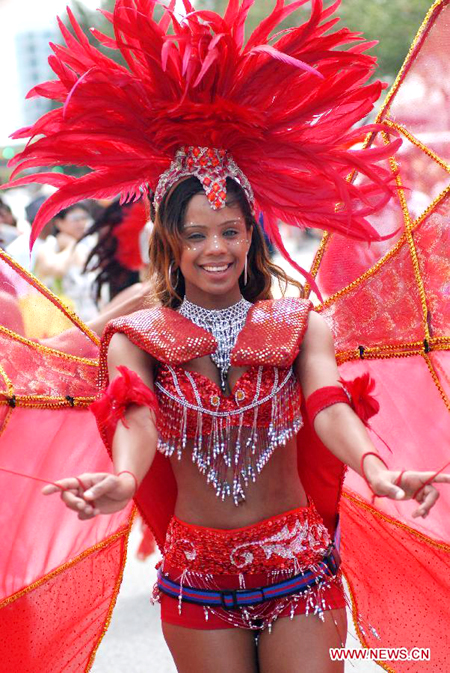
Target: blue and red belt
[{"x": 232, "y": 599}]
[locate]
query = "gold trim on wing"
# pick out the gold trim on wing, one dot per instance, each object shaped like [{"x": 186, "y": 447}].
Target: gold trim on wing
[
  {"x": 54, "y": 573},
  {"x": 45, "y": 401},
  {"x": 115, "y": 594},
  {"x": 437, "y": 382},
  {"x": 418, "y": 143},
  {"x": 356, "y": 500},
  {"x": 383, "y": 260},
  {"x": 395, "y": 350},
  {"x": 355, "y": 614},
  {"x": 432, "y": 13},
  {"x": 427, "y": 23},
  {"x": 411, "y": 243},
  {"x": 10, "y": 392},
  {"x": 46, "y": 349},
  {"x": 32, "y": 280}
]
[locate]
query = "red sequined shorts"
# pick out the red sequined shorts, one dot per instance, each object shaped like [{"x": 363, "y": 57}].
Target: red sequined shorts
[{"x": 259, "y": 555}]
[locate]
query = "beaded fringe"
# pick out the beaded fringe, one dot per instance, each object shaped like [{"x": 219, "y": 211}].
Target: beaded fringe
[{"x": 233, "y": 455}]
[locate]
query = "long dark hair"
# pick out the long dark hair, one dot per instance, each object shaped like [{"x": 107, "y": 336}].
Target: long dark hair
[
  {"x": 166, "y": 244},
  {"x": 102, "y": 258}
]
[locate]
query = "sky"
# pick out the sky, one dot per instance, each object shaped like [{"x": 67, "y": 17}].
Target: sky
[{"x": 19, "y": 16}]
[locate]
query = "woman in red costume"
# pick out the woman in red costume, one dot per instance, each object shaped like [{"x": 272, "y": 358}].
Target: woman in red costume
[
  {"x": 227, "y": 366},
  {"x": 205, "y": 395}
]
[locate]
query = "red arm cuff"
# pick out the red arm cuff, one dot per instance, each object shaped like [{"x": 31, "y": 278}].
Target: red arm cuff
[
  {"x": 356, "y": 393},
  {"x": 125, "y": 390},
  {"x": 324, "y": 397}
]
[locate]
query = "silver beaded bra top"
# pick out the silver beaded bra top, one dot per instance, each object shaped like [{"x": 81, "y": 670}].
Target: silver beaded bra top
[
  {"x": 232, "y": 437},
  {"x": 229, "y": 437}
]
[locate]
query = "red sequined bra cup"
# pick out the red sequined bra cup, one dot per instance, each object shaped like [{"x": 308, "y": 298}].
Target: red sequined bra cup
[{"x": 231, "y": 437}]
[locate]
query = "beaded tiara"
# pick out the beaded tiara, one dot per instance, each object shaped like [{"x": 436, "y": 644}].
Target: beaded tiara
[{"x": 212, "y": 167}]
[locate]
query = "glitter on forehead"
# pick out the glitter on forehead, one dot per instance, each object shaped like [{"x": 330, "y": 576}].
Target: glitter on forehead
[{"x": 212, "y": 167}]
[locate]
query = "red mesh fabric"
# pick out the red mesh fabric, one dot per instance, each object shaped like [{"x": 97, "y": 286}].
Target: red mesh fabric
[
  {"x": 398, "y": 566},
  {"x": 418, "y": 106},
  {"x": 360, "y": 317},
  {"x": 415, "y": 423},
  {"x": 55, "y": 626},
  {"x": 432, "y": 241},
  {"x": 400, "y": 583},
  {"x": 49, "y": 361},
  {"x": 47, "y": 444}
]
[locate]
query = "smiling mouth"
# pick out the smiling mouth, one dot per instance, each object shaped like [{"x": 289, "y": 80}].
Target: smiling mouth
[{"x": 215, "y": 268}]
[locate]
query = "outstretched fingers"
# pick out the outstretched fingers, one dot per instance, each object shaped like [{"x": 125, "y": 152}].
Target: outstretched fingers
[
  {"x": 427, "y": 498},
  {"x": 72, "y": 491},
  {"x": 70, "y": 483},
  {"x": 442, "y": 479}
]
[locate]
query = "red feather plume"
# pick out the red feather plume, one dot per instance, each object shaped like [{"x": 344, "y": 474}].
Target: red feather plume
[
  {"x": 127, "y": 234},
  {"x": 283, "y": 106},
  {"x": 361, "y": 392}
]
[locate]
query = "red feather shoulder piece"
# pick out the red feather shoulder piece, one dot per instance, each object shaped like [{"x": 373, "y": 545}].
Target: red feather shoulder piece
[{"x": 284, "y": 104}]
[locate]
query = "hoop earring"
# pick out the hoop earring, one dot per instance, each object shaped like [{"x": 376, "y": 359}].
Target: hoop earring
[
  {"x": 174, "y": 287},
  {"x": 246, "y": 271}
]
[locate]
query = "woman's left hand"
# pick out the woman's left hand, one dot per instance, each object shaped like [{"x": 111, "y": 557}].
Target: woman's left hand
[{"x": 408, "y": 485}]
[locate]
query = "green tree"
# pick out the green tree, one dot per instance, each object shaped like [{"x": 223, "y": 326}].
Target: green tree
[{"x": 393, "y": 23}]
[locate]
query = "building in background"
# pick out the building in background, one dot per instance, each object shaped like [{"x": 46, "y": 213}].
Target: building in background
[
  {"x": 25, "y": 30},
  {"x": 32, "y": 52}
]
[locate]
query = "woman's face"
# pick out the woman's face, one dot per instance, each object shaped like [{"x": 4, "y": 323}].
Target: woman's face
[
  {"x": 75, "y": 223},
  {"x": 215, "y": 244}
]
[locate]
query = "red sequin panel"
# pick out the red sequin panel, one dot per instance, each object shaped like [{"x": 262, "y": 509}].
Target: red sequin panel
[
  {"x": 293, "y": 541},
  {"x": 273, "y": 333},
  {"x": 165, "y": 334}
]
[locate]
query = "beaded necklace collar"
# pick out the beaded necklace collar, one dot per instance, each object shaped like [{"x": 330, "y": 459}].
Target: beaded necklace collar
[{"x": 224, "y": 324}]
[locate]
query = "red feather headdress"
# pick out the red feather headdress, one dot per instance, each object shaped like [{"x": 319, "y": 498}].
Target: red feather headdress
[{"x": 283, "y": 106}]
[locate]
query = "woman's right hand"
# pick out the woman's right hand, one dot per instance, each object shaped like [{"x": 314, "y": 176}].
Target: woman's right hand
[{"x": 93, "y": 494}]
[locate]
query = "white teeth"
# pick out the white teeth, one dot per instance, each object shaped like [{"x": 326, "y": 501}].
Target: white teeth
[{"x": 216, "y": 268}]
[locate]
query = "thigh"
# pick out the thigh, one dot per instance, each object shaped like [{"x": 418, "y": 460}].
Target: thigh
[
  {"x": 211, "y": 651},
  {"x": 301, "y": 644}
]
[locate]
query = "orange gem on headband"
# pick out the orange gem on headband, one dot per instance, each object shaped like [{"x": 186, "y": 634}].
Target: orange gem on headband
[{"x": 212, "y": 167}]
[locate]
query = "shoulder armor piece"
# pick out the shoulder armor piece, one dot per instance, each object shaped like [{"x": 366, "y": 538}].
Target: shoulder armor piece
[
  {"x": 168, "y": 336},
  {"x": 273, "y": 333}
]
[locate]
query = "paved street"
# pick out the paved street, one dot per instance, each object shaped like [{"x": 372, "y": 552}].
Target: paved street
[{"x": 134, "y": 642}]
